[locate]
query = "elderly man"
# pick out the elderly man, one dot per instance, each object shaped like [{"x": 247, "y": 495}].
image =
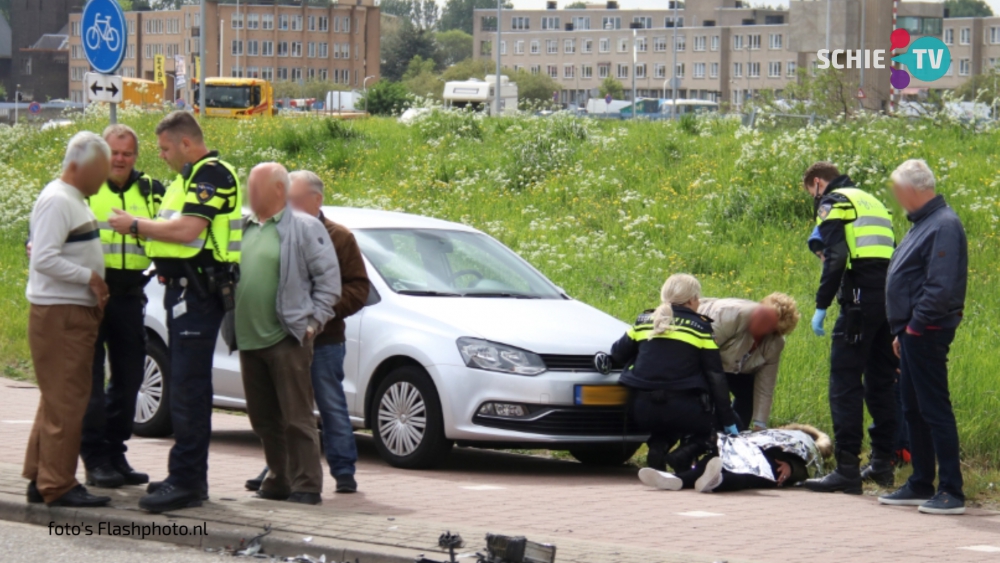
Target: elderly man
[
  {"x": 67, "y": 293},
  {"x": 290, "y": 259},
  {"x": 306, "y": 195},
  {"x": 108, "y": 422},
  {"x": 925, "y": 297},
  {"x": 751, "y": 337}
]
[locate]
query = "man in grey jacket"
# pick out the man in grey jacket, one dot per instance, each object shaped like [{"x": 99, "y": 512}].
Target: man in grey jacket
[
  {"x": 286, "y": 259},
  {"x": 925, "y": 296}
]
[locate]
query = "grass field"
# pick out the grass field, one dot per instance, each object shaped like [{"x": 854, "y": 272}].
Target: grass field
[{"x": 607, "y": 210}]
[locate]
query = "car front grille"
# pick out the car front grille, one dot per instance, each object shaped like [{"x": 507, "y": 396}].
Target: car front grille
[
  {"x": 566, "y": 421},
  {"x": 560, "y": 362}
]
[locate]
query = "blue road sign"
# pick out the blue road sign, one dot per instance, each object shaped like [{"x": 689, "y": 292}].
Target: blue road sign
[
  {"x": 607, "y": 99},
  {"x": 34, "y": 108},
  {"x": 104, "y": 35}
]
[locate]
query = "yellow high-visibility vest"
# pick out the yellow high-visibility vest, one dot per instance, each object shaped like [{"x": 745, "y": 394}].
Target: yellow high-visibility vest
[
  {"x": 867, "y": 225},
  {"x": 124, "y": 252}
]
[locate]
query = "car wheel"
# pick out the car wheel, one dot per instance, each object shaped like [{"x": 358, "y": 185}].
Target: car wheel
[
  {"x": 605, "y": 455},
  {"x": 408, "y": 426},
  {"x": 152, "y": 404}
]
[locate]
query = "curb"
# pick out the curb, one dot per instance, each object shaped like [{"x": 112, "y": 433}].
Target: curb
[{"x": 278, "y": 543}]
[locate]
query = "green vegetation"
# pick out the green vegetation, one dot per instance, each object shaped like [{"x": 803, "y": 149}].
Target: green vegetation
[
  {"x": 968, "y": 9},
  {"x": 607, "y": 210}
]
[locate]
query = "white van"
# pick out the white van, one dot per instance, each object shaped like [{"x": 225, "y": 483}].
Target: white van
[{"x": 479, "y": 94}]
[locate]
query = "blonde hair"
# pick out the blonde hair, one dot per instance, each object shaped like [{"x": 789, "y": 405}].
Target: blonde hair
[
  {"x": 677, "y": 290},
  {"x": 787, "y": 309}
]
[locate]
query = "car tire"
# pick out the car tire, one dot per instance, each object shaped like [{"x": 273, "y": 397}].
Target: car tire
[
  {"x": 152, "y": 404},
  {"x": 605, "y": 455},
  {"x": 407, "y": 423}
]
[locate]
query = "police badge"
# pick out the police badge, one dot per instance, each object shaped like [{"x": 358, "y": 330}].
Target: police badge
[{"x": 204, "y": 191}]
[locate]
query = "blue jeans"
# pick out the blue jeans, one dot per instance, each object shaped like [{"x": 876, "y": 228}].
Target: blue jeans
[
  {"x": 338, "y": 434},
  {"x": 923, "y": 381},
  {"x": 192, "y": 347}
]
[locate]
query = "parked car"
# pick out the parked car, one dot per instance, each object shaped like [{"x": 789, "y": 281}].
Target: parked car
[{"x": 462, "y": 342}]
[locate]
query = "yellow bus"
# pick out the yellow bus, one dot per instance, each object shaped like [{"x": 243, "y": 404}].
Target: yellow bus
[{"x": 241, "y": 98}]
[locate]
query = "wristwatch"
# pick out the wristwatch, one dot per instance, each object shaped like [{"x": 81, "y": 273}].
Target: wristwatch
[{"x": 134, "y": 229}]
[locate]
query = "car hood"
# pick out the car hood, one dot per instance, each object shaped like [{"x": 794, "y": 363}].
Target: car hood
[{"x": 543, "y": 326}]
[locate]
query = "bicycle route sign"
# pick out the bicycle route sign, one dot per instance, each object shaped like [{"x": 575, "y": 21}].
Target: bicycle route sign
[{"x": 104, "y": 35}]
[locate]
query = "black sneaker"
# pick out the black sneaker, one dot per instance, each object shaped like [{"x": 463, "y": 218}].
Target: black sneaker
[
  {"x": 903, "y": 496},
  {"x": 346, "y": 484},
  {"x": 305, "y": 498},
  {"x": 131, "y": 476},
  {"x": 943, "y": 503},
  {"x": 79, "y": 497},
  {"x": 169, "y": 497},
  {"x": 270, "y": 495},
  {"x": 34, "y": 497},
  {"x": 155, "y": 486},
  {"x": 254, "y": 484},
  {"x": 105, "y": 476}
]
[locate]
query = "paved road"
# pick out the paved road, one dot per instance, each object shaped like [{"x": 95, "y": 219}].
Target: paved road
[
  {"x": 25, "y": 543},
  {"x": 553, "y": 499}
]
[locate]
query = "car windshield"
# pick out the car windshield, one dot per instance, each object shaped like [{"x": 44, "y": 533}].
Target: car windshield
[{"x": 442, "y": 263}]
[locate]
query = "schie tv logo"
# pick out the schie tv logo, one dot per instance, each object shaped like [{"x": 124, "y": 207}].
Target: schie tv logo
[{"x": 928, "y": 58}]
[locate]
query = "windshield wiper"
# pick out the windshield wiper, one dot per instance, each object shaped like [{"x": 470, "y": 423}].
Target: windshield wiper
[
  {"x": 427, "y": 293},
  {"x": 501, "y": 294}
]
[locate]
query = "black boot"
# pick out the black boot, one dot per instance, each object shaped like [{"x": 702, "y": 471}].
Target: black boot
[
  {"x": 131, "y": 476},
  {"x": 846, "y": 478},
  {"x": 254, "y": 484},
  {"x": 682, "y": 458},
  {"x": 105, "y": 476},
  {"x": 656, "y": 457},
  {"x": 881, "y": 469}
]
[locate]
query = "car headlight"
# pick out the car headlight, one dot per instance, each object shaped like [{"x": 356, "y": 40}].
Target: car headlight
[{"x": 483, "y": 354}]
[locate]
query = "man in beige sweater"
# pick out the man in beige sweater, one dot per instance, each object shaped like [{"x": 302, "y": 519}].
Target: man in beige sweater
[{"x": 751, "y": 337}]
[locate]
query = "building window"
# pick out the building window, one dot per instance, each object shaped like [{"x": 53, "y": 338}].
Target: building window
[
  {"x": 699, "y": 42},
  {"x": 297, "y": 22},
  {"x": 604, "y": 71},
  {"x": 324, "y": 50},
  {"x": 552, "y": 70},
  {"x": 267, "y": 21},
  {"x": 282, "y": 48},
  {"x": 237, "y": 48},
  {"x": 131, "y": 27},
  {"x": 737, "y": 42},
  {"x": 312, "y": 23},
  {"x": 347, "y": 25},
  {"x": 569, "y": 46},
  {"x": 951, "y": 68},
  {"x": 324, "y": 25},
  {"x": 485, "y": 49},
  {"x": 963, "y": 67},
  {"x": 520, "y": 23},
  {"x": 659, "y": 44},
  {"x": 551, "y": 46},
  {"x": 753, "y": 70},
  {"x": 775, "y": 41},
  {"x": 622, "y": 70},
  {"x": 486, "y": 23},
  {"x": 253, "y": 48},
  {"x": 774, "y": 69},
  {"x": 641, "y": 45},
  {"x": 681, "y": 43},
  {"x": 283, "y": 22},
  {"x": 503, "y": 47},
  {"x": 623, "y": 45},
  {"x": 713, "y": 70},
  {"x": 569, "y": 71},
  {"x": 581, "y": 23},
  {"x": 669, "y": 21},
  {"x": 311, "y": 52},
  {"x": 549, "y": 22},
  {"x": 737, "y": 70},
  {"x": 994, "y": 35},
  {"x": 297, "y": 74},
  {"x": 640, "y": 70},
  {"x": 588, "y": 46},
  {"x": 660, "y": 70},
  {"x": 267, "y": 48},
  {"x": 604, "y": 45},
  {"x": 236, "y": 22},
  {"x": 519, "y": 47},
  {"x": 964, "y": 36},
  {"x": 535, "y": 69},
  {"x": 680, "y": 70},
  {"x": 611, "y": 23},
  {"x": 253, "y": 21},
  {"x": 74, "y": 29},
  {"x": 715, "y": 43},
  {"x": 699, "y": 70},
  {"x": 336, "y": 50},
  {"x": 645, "y": 21},
  {"x": 586, "y": 71},
  {"x": 535, "y": 49},
  {"x": 267, "y": 73},
  {"x": 754, "y": 42}
]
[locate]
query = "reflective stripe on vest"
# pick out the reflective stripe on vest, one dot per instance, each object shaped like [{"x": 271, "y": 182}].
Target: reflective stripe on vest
[
  {"x": 684, "y": 334},
  {"x": 124, "y": 252},
  {"x": 867, "y": 225},
  {"x": 225, "y": 230}
]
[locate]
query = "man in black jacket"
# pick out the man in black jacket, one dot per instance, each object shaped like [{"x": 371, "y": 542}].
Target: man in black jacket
[
  {"x": 857, "y": 243},
  {"x": 925, "y": 296}
]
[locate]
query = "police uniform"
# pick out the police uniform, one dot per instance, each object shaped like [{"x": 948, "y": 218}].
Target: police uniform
[
  {"x": 199, "y": 277},
  {"x": 676, "y": 379},
  {"x": 858, "y": 242},
  {"x": 108, "y": 421}
]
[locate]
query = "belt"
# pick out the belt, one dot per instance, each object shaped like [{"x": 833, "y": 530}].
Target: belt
[{"x": 178, "y": 283}]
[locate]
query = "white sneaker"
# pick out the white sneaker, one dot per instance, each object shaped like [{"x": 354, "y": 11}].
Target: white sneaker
[
  {"x": 660, "y": 480},
  {"x": 712, "y": 478}
]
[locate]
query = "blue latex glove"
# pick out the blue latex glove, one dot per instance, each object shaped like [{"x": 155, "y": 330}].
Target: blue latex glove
[
  {"x": 817, "y": 323},
  {"x": 731, "y": 430}
]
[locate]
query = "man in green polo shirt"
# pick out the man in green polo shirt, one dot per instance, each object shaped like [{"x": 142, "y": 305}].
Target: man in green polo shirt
[{"x": 291, "y": 281}]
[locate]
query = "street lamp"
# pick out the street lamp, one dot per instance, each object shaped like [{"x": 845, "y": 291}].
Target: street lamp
[
  {"x": 496, "y": 93},
  {"x": 673, "y": 73},
  {"x": 17, "y": 96},
  {"x": 364, "y": 86}
]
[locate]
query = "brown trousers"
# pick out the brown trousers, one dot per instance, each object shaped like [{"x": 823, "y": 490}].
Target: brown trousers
[
  {"x": 61, "y": 338},
  {"x": 278, "y": 386}
]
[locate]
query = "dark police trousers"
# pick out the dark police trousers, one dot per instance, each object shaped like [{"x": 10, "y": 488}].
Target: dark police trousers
[
  {"x": 741, "y": 386},
  {"x": 192, "y": 345},
  {"x": 927, "y": 407},
  {"x": 863, "y": 374},
  {"x": 669, "y": 416},
  {"x": 110, "y": 413}
]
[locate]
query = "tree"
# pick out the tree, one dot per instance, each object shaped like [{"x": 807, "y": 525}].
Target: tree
[
  {"x": 402, "y": 44},
  {"x": 533, "y": 88},
  {"x": 458, "y": 14},
  {"x": 967, "y": 9},
  {"x": 613, "y": 87},
  {"x": 423, "y": 14},
  {"x": 828, "y": 93},
  {"x": 981, "y": 87},
  {"x": 455, "y": 45},
  {"x": 575, "y": 6},
  {"x": 469, "y": 68},
  {"x": 420, "y": 79},
  {"x": 386, "y": 98}
]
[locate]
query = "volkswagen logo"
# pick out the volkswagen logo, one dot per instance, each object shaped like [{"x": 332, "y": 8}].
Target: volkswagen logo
[{"x": 602, "y": 362}]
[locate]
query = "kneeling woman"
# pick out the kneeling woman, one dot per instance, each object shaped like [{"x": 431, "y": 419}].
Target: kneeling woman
[{"x": 674, "y": 371}]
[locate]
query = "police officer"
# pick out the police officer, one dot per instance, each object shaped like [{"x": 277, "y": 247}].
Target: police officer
[
  {"x": 195, "y": 243},
  {"x": 857, "y": 243},
  {"x": 108, "y": 421},
  {"x": 675, "y": 373}
]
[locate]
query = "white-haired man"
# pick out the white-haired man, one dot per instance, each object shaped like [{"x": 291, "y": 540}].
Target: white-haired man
[
  {"x": 67, "y": 293},
  {"x": 925, "y": 297},
  {"x": 290, "y": 261}
]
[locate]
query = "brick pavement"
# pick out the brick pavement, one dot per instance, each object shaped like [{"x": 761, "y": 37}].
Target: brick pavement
[{"x": 593, "y": 515}]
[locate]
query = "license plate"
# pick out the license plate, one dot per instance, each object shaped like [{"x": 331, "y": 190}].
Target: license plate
[{"x": 600, "y": 395}]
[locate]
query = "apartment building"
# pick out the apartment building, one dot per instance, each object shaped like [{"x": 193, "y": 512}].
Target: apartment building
[
  {"x": 338, "y": 43},
  {"x": 725, "y": 51}
]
